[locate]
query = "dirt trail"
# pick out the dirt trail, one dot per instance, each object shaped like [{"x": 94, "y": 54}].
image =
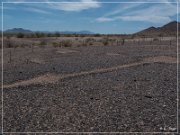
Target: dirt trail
[
  {"x": 163, "y": 59},
  {"x": 50, "y": 78}
]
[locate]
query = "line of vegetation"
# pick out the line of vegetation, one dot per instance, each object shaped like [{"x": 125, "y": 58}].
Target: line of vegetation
[{"x": 56, "y": 34}]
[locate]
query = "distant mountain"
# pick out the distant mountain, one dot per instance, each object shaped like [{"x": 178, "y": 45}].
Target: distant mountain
[
  {"x": 18, "y": 30},
  {"x": 76, "y": 32},
  {"x": 168, "y": 29},
  {"x": 21, "y": 30}
]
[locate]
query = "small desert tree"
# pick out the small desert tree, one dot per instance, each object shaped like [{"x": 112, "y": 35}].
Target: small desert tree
[
  {"x": 38, "y": 35},
  {"x": 57, "y": 34},
  {"x": 20, "y": 35}
]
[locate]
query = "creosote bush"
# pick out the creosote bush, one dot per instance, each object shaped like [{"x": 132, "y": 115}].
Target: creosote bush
[
  {"x": 66, "y": 43},
  {"x": 105, "y": 41},
  {"x": 42, "y": 44},
  {"x": 89, "y": 41},
  {"x": 39, "y": 34},
  {"x": 55, "y": 44},
  {"x": 20, "y": 35}
]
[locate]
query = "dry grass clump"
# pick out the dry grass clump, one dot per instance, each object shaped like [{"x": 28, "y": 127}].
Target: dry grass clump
[{"x": 105, "y": 41}]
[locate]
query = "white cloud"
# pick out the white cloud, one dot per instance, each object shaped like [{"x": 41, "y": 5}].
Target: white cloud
[
  {"x": 122, "y": 8},
  {"x": 105, "y": 19},
  {"x": 78, "y": 6},
  {"x": 152, "y": 19},
  {"x": 154, "y": 13},
  {"x": 36, "y": 10}
]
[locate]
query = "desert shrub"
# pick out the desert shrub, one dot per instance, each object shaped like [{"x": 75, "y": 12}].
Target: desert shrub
[
  {"x": 42, "y": 44},
  {"x": 132, "y": 36},
  {"x": 76, "y": 35},
  {"x": 155, "y": 39},
  {"x": 111, "y": 40},
  {"x": 32, "y": 35},
  {"x": 42, "y": 35},
  {"x": 82, "y": 43},
  {"x": 16, "y": 46},
  {"x": 89, "y": 41},
  {"x": 22, "y": 45},
  {"x": 66, "y": 43},
  {"x": 170, "y": 42},
  {"x": 8, "y": 43},
  {"x": 69, "y": 35},
  {"x": 79, "y": 45},
  {"x": 20, "y": 35},
  {"x": 55, "y": 44},
  {"x": 82, "y": 35},
  {"x": 97, "y": 35},
  {"x": 105, "y": 41},
  {"x": 39, "y": 34},
  {"x": 123, "y": 41},
  {"x": 27, "y": 36},
  {"x": 57, "y": 34},
  {"x": 33, "y": 44},
  {"x": 49, "y": 35}
]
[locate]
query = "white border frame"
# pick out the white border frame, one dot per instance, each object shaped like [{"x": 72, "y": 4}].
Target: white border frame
[{"x": 2, "y": 111}]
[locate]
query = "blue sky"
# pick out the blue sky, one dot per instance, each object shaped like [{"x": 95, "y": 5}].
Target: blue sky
[{"x": 113, "y": 18}]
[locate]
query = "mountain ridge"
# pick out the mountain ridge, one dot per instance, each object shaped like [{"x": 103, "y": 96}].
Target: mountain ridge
[{"x": 167, "y": 29}]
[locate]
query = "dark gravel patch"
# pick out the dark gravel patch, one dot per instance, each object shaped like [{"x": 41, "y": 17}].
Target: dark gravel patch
[
  {"x": 138, "y": 99},
  {"x": 86, "y": 58}
]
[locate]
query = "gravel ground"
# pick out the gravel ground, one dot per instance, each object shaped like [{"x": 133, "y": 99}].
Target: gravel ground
[{"x": 135, "y": 99}]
